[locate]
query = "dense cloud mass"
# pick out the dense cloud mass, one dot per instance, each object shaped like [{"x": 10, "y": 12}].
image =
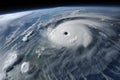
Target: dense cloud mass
[{"x": 65, "y": 43}]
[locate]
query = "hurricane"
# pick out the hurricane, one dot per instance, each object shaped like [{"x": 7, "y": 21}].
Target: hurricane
[{"x": 63, "y": 43}]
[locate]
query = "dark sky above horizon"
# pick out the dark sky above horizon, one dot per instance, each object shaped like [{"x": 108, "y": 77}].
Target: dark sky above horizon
[{"x": 19, "y": 5}]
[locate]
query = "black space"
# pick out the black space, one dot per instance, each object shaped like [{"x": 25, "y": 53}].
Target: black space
[{"x": 7, "y": 6}]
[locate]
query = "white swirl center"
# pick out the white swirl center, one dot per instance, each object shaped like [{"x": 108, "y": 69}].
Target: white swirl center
[{"x": 71, "y": 34}]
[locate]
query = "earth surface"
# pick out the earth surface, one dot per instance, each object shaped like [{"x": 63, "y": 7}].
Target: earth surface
[{"x": 62, "y": 43}]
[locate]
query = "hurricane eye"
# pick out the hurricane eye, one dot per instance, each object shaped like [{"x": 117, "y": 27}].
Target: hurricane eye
[{"x": 65, "y": 33}]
